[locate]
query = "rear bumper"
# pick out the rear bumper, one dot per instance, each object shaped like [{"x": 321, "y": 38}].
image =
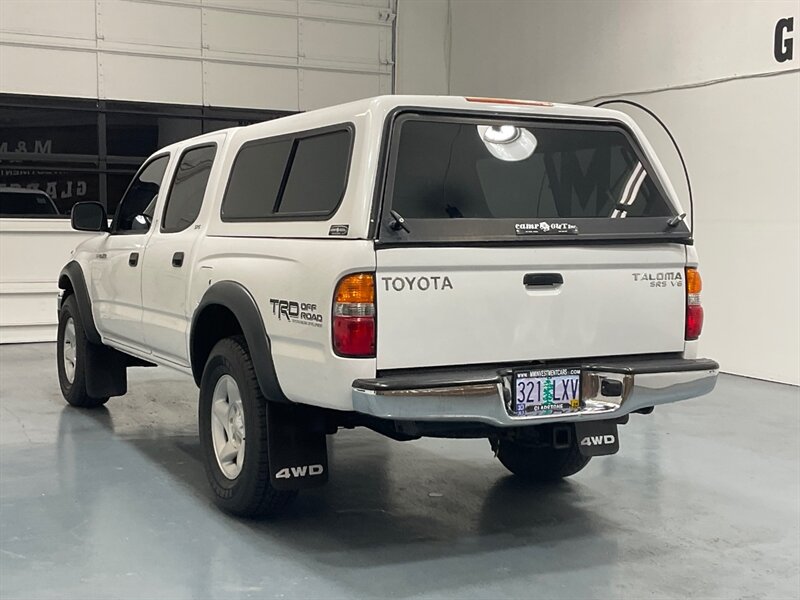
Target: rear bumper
[{"x": 482, "y": 395}]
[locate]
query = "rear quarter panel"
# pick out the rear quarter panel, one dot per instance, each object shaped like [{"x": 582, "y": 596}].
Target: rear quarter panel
[{"x": 301, "y": 271}]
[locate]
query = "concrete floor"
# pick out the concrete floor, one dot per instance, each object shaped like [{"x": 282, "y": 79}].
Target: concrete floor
[{"x": 702, "y": 501}]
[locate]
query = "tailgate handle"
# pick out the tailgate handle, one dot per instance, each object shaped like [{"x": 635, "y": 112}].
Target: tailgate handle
[{"x": 542, "y": 279}]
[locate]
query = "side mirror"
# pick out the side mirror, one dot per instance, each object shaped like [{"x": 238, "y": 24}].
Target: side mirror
[{"x": 89, "y": 216}]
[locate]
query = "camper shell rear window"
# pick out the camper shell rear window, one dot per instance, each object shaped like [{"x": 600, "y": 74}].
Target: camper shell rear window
[{"x": 464, "y": 178}]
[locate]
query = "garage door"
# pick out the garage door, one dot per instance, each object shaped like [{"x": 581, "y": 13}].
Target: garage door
[{"x": 152, "y": 72}]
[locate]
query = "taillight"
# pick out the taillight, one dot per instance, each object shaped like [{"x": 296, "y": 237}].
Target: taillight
[
  {"x": 694, "y": 311},
  {"x": 354, "y": 316}
]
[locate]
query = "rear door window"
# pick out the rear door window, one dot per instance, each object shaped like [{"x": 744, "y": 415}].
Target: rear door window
[{"x": 188, "y": 188}]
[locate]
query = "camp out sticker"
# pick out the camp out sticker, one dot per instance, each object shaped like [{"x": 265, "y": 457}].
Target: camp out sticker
[{"x": 545, "y": 227}]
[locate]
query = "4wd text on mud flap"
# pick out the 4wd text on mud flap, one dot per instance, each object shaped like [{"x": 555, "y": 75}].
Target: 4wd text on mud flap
[
  {"x": 305, "y": 470},
  {"x": 598, "y": 440}
]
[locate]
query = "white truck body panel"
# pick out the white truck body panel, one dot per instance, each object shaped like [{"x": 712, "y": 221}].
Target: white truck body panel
[
  {"x": 456, "y": 306},
  {"x": 117, "y": 293},
  {"x": 280, "y": 269}
]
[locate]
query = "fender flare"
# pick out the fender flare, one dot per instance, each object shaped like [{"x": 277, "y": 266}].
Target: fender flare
[
  {"x": 237, "y": 299},
  {"x": 72, "y": 276}
]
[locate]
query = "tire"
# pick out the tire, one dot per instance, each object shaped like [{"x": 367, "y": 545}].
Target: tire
[
  {"x": 541, "y": 463},
  {"x": 238, "y": 471},
  {"x": 71, "y": 351}
]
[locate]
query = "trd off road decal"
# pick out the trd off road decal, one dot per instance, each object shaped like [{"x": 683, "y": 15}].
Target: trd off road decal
[
  {"x": 302, "y": 313},
  {"x": 543, "y": 227},
  {"x": 660, "y": 279}
]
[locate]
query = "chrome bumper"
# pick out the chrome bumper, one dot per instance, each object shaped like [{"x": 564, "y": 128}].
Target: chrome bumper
[{"x": 484, "y": 396}]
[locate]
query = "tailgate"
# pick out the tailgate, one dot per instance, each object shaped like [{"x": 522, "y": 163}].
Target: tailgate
[{"x": 440, "y": 306}]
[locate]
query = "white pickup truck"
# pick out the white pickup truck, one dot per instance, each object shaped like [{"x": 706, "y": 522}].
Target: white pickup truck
[{"x": 423, "y": 266}]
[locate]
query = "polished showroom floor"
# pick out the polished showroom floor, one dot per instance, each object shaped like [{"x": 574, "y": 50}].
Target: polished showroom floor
[{"x": 701, "y": 501}]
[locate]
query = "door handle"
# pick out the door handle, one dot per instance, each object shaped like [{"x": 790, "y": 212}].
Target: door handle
[
  {"x": 177, "y": 259},
  {"x": 542, "y": 279},
  {"x": 133, "y": 259}
]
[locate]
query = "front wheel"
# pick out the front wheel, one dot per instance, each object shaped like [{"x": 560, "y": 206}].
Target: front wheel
[
  {"x": 540, "y": 463},
  {"x": 233, "y": 433},
  {"x": 71, "y": 350}
]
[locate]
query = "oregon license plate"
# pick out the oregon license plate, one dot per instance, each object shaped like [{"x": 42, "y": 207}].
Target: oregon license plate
[{"x": 546, "y": 391}]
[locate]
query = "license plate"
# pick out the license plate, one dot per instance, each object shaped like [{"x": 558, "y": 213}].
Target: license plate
[{"x": 546, "y": 391}]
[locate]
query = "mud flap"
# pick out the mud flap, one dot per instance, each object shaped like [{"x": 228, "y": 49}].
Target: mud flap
[
  {"x": 597, "y": 438},
  {"x": 106, "y": 371},
  {"x": 298, "y": 448}
]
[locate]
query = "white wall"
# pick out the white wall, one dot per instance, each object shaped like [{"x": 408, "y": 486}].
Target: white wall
[
  {"x": 272, "y": 54},
  {"x": 739, "y": 130},
  {"x": 32, "y": 253},
  {"x": 423, "y": 37}
]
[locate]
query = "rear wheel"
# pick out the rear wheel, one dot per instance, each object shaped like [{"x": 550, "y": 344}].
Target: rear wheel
[
  {"x": 233, "y": 433},
  {"x": 540, "y": 463},
  {"x": 71, "y": 357}
]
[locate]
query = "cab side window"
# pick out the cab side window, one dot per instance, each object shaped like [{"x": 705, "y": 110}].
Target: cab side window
[
  {"x": 188, "y": 188},
  {"x": 135, "y": 212}
]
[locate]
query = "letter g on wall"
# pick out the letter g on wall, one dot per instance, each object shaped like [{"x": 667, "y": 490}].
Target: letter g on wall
[{"x": 784, "y": 44}]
